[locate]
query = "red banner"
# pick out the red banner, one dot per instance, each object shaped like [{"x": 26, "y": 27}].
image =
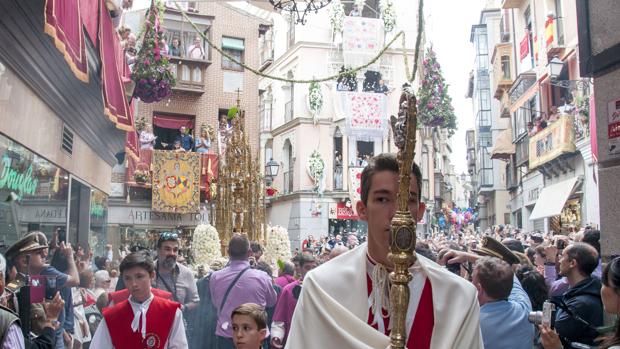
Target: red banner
[
  {"x": 524, "y": 47},
  {"x": 115, "y": 103},
  {"x": 63, "y": 22},
  {"x": 341, "y": 211}
]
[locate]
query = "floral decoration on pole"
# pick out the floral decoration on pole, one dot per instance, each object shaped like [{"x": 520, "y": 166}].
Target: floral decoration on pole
[
  {"x": 336, "y": 19},
  {"x": 206, "y": 245},
  {"x": 388, "y": 14},
  {"x": 278, "y": 245},
  {"x": 151, "y": 72},
  {"x": 316, "y": 171},
  {"x": 315, "y": 101},
  {"x": 434, "y": 103}
]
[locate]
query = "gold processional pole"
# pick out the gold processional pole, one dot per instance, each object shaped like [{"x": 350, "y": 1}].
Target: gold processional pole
[{"x": 402, "y": 236}]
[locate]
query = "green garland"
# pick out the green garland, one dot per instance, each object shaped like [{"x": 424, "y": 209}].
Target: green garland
[{"x": 400, "y": 34}]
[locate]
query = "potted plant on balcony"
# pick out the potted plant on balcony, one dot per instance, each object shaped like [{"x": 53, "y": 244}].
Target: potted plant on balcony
[{"x": 151, "y": 73}]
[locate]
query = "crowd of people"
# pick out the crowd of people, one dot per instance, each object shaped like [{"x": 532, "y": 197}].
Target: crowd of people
[{"x": 503, "y": 288}]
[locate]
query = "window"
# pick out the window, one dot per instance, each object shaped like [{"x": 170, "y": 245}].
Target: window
[
  {"x": 482, "y": 42},
  {"x": 290, "y": 35},
  {"x": 505, "y": 61},
  {"x": 530, "y": 35},
  {"x": 484, "y": 118},
  {"x": 234, "y": 48},
  {"x": 485, "y": 139},
  {"x": 559, "y": 24},
  {"x": 180, "y": 41},
  {"x": 370, "y": 10},
  {"x": 485, "y": 100}
]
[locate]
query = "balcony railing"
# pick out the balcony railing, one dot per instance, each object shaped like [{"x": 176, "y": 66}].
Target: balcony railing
[
  {"x": 288, "y": 111},
  {"x": 288, "y": 182},
  {"x": 502, "y": 71},
  {"x": 266, "y": 53},
  {"x": 557, "y": 139},
  {"x": 265, "y": 118},
  {"x": 522, "y": 151},
  {"x": 190, "y": 74}
]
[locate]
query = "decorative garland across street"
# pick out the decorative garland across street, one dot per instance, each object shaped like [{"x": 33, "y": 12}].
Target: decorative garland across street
[{"x": 400, "y": 34}]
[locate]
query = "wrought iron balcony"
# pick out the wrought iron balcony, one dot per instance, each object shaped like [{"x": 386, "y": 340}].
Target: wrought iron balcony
[
  {"x": 555, "y": 140},
  {"x": 522, "y": 151}
]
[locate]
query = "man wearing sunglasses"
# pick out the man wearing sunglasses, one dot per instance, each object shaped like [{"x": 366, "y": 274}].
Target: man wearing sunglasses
[{"x": 172, "y": 276}]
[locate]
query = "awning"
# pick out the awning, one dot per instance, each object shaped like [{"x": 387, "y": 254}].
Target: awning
[
  {"x": 504, "y": 147},
  {"x": 552, "y": 199},
  {"x": 233, "y": 44},
  {"x": 173, "y": 121}
]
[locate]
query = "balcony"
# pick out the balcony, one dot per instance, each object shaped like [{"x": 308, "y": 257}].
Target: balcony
[
  {"x": 522, "y": 151},
  {"x": 504, "y": 106},
  {"x": 555, "y": 140},
  {"x": 507, "y": 4},
  {"x": 502, "y": 69},
  {"x": 288, "y": 111},
  {"x": 190, "y": 74}
]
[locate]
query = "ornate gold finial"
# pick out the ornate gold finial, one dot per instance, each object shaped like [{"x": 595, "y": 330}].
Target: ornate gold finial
[{"x": 403, "y": 236}]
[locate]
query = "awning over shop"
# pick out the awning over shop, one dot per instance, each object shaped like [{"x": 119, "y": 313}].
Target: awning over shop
[
  {"x": 552, "y": 199},
  {"x": 504, "y": 147}
]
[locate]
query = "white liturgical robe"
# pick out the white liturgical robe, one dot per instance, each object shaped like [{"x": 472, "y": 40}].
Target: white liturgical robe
[{"x": 332, "y": 311}]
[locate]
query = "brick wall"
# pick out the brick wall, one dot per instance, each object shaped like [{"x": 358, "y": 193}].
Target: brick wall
[{"x": 228, "y": 22}]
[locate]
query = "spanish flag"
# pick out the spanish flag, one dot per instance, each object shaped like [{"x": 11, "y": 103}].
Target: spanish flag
[{"x": 549, "y": 30}]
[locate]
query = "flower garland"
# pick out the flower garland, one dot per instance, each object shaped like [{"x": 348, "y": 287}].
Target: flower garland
[
  {"x": 151, "y": 72},
  {"x": 388, "y": 14},
  {"x": 336, "y": 17},
  {"x": 315, "y": 100},
  {"x": 316, "y": 171},
  {"x": 206, "y": 245},
  {"x": 278, "y": 245}
]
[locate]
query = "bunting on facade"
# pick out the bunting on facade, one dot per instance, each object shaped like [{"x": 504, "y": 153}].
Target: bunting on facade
[
  {"x": 176, "y": 182},
  {"x": 63, "y": 23},
  {"x": 549, "y": 30}
]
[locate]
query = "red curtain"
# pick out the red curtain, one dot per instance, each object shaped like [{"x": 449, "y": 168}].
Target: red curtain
[
  {"x": 63, "y": 22},
  {"x": 173, "y": 121},
  {"x": 89, "y": 10},
  {"x": 115, "y": 104}
]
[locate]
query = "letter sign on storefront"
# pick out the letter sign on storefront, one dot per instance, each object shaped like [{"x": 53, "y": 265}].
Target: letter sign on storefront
[{"x": 13, "y": 179}]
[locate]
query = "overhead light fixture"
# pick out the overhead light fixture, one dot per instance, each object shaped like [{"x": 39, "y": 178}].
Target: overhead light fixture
[{"x": 299, "y": 8}]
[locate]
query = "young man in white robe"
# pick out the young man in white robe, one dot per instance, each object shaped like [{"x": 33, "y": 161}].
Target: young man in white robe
[{"x": 346, "y": 300}]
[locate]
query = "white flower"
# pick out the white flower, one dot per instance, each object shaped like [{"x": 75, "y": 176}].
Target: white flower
[
  {"x": 336, "y": 17},
  {"x": 388, "y": 14},
  {"x": 315, "y": 98},
  {"x": 278, "y": 245},
  {"x": 206, "y": 245},
  {"x": 316, "y": 171}
]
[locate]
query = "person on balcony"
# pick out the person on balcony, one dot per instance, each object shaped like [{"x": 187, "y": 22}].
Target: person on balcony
[
  {"x": 175, "y": 48},
  {"x": 147, "y": 138},
  {"x": 196, "y": 51},
  {"x": 177, "y": 148},
  {"x": 355, "y": 12},
  {"x": 382, "y": 88},
  {"x": 187, "y": 141},
  {"x": 163, "y": 47},
  {"x": 203, "y": 143}
]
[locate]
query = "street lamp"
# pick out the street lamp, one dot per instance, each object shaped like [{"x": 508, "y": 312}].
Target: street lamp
[
  {"x": 554, "y": 67},
  {"x": 271, "y": 169}
]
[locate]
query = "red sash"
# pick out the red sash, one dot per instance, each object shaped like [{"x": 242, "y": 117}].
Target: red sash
[
  {"x": 123, "y": 295},
  {"x": 422, "y": 328},
  {"x": 159, "y": 321}
]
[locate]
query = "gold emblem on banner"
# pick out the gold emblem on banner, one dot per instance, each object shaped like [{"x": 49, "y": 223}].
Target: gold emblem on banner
[{"x": 176, "y": 182}]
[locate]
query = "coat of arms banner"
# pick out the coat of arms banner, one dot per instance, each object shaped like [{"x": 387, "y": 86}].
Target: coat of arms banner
[{"x": 176, "y": 182}]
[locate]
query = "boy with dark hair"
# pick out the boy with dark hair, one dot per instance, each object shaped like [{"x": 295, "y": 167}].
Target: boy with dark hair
[
  {"x": 142, "y": 321},
  {"x": 249, "y": 326}
]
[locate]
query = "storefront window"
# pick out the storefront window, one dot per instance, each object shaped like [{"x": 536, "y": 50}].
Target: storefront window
[
  {"x": 33, "y": 193},
  {"x": 98, "y": 237}
]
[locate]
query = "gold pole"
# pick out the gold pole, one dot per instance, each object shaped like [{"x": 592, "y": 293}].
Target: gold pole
[{"x": 403, "y": 236}]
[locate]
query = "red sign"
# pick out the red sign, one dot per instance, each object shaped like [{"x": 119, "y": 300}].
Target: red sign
[
  {"x": 525, "y": 46},
  {"x": 341, "y": 211}
]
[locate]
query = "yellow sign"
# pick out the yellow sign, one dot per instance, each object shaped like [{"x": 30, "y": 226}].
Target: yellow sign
[{"x": 176, "y": 182}]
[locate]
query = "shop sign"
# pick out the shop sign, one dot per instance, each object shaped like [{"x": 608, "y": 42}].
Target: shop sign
[
  {"x": 146, "y": 216},
  {"x": 613, "y": 129},
  {"x": 18, "y": 181},
  {"x": 42, "y": 214},
  {"x": 340, "y": 210}
]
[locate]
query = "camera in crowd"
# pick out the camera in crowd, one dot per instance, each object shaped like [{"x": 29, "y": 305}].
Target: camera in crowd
[{"x": 544, "y": 317}]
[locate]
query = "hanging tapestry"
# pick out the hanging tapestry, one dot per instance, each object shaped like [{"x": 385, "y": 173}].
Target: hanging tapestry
[
  {"x": 366, "y": 114},
  {"x": 176, "y": 182},
  {"x": 362, "y": 39},
  {"x": 355, "y": 182}
]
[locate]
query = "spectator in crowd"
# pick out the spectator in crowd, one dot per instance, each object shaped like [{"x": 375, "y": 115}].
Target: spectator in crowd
[
  {"x": 196, "y": 51},
  {"x": 186, "y": 139},
  {"x": 249, "y": 324},
  {"x": 287, "y": 301},
  {"x": 583, "y": 299},
  {"x": 257, "y": 250},
  {"x": 235, "y": 285},
  {"x": 102, "y": 283},
  {"x": 147, "y": 138},
  {"x": 174, "y": 277},
  {"x": 286, "y": 274},
  {"x": 175, "y": 48},
  {"x": 203, "y": 143},
  {"x": 176, "y": 146}
]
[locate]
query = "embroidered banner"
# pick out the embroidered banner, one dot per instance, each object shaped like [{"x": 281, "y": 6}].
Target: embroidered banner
[
  {"x": 362, "y": 39},
  {"x": 176, "y": 182},
  {"x": 355, "y": 182},
  {"x": 366, "y": 114},
  {"x": 524, "y": 47},
  {"x": 115, "y": 104},
  {"x": 63, "y": 23}
]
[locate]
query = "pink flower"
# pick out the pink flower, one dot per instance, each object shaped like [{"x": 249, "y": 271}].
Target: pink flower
[{"x": 146, "y": 61}]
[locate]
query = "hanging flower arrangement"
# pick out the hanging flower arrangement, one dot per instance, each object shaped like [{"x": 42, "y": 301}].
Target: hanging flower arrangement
[
  {"x": 316, "y": 171},
  {"x": 278, "y": 245},
  {"x": 388, "y": 14},
  {"x": 315, "y": 100},
  {"x": 151, "y": 73},
  {"x": 206, "y": 245},
  {"x": 271, "y": 191},
  {"x": 336, "y": 17}
]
